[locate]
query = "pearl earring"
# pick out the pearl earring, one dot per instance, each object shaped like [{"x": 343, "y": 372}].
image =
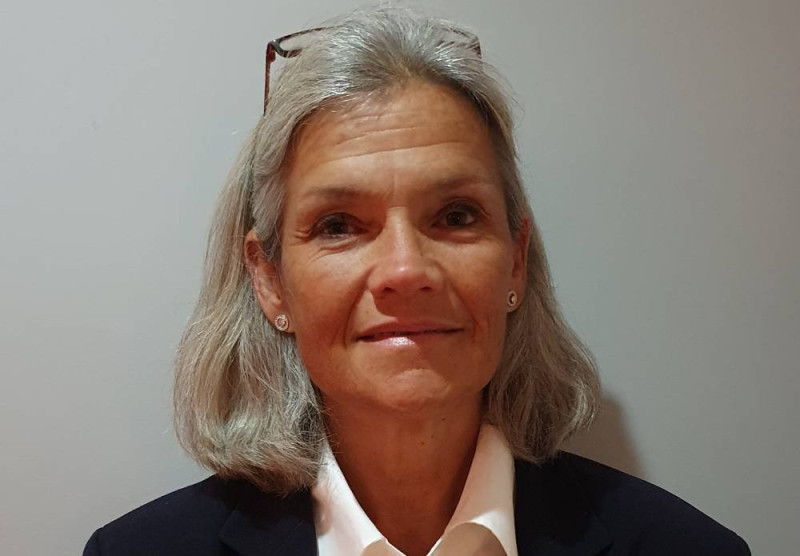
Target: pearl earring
[
  {"x": 512, "y": 299},
  {"x": 282, "y": 323}
]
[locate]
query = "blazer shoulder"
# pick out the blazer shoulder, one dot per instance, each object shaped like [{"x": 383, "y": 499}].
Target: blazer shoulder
[
  {"x": 186, "y": 521},
  {"x": 645, "y": 516}
]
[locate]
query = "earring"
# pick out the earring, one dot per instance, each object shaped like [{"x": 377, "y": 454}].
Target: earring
[
  {"x": 282, "y": 323},
  {"x": 512, "y": 299}
]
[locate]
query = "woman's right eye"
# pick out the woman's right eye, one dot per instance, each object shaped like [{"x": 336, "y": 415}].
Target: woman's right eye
[{"x": 335, "y": 226}]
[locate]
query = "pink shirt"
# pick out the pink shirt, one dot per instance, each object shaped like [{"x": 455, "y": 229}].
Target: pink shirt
[{"x": 482, "y": 524}]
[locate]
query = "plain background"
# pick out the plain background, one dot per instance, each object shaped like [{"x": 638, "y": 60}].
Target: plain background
[{"x": 660, "y": 142}]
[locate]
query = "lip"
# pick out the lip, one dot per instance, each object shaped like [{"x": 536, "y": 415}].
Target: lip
[{"x": 404, "y": 330}]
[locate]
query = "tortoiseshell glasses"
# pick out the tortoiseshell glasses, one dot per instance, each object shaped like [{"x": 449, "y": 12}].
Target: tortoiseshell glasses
[{"x": 289, "y": 46}]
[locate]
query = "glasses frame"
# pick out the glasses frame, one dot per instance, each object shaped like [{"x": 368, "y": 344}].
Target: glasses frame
[{"x": 274, "y": 49}]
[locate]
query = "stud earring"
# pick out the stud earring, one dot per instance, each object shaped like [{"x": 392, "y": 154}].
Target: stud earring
[
  {"x": 282, "y": 323},
  {"x": 512, "y": 299}
]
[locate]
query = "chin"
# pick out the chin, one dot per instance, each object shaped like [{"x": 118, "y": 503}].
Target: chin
[{"x": 420, "y": 392}]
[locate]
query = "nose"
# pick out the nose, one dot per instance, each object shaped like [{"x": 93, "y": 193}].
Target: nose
[{"x": 405, "y": 262}]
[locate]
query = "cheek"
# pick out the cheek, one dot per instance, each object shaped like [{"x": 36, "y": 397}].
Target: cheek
[
  {"x": 488, "y": 305},
  {"x": 486, "y": 284},
  {"x": 318, "y": 330},
  {"x": 320, "y": 297}
]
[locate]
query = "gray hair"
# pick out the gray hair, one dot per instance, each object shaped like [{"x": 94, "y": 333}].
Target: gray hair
[{"x": 244, "y": 405}]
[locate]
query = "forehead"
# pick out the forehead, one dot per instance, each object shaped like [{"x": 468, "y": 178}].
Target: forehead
[{"x": 417, "y": 128}]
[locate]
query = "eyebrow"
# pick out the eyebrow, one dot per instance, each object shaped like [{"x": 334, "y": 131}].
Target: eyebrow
[
  {"x": 333, "y": 192},
  {"x": 343, "y": 192}
]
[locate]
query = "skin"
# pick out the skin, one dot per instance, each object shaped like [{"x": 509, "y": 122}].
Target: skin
[{"x": 396, "y": 263}]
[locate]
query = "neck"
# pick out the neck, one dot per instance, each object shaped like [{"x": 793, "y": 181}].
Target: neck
[{"x": 407, "y": 473}]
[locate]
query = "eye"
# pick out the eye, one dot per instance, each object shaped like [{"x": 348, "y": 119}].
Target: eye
[
  {"x": 335, "y": 226},
  {"x": 459, "y": 215}
]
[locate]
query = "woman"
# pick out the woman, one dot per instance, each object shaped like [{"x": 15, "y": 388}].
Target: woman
[{"x": 376, "y": 364}]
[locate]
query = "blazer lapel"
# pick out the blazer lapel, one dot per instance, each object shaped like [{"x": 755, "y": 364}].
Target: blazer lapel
[
  {"x": 552, "y": 518},
  {"x": 552, "y": 515},
  {"x": 265, "y": 524}
]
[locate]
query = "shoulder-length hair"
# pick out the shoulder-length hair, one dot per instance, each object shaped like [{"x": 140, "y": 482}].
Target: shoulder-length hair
[{"x": 244, "y": 405}]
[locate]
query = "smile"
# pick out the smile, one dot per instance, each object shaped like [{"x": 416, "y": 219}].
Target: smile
[{"x": 378, "y": 336}]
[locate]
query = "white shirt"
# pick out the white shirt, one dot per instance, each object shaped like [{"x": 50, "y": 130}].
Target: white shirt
[{"x": 482, "y": 524}]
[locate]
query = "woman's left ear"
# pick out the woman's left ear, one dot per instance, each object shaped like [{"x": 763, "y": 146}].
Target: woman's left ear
[
  {"x": 265, "y": 279},
  {"x": 519, "y": 272}
]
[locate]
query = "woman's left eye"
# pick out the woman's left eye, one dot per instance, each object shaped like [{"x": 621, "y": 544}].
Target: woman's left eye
[{"x": 459, "y": 215}]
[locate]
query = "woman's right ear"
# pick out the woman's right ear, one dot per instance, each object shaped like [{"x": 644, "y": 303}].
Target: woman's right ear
[{"x": 264, "y": 275}]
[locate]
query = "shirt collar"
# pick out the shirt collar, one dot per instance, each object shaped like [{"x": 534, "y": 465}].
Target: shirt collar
[
  {"x": 488, "y": 496},
  {"x": 341, "y": 524},
  {"x": 487, "y": 501}
]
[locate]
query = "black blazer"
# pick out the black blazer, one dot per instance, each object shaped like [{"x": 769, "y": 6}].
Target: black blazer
[{"x": 568, "y": 506}]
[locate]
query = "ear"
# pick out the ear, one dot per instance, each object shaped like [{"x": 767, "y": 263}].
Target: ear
[
  {"x": 519, "y": 271},
  {"x": 265, "y": 278}
]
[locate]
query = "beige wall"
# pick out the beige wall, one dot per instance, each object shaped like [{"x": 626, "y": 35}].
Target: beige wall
[{"x": 661, "y": 144}]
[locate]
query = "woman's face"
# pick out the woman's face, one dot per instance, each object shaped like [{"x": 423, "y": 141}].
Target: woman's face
[{"x": 397, "y": 257}]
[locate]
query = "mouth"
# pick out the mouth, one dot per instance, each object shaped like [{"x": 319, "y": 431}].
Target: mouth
[{"x": 378, "y": 336}]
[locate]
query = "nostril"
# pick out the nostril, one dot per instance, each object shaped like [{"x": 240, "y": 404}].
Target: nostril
[{"x": 405, "y": 279}]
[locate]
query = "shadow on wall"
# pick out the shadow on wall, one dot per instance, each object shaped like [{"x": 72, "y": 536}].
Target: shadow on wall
[{"x": 608, "y": 440}]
